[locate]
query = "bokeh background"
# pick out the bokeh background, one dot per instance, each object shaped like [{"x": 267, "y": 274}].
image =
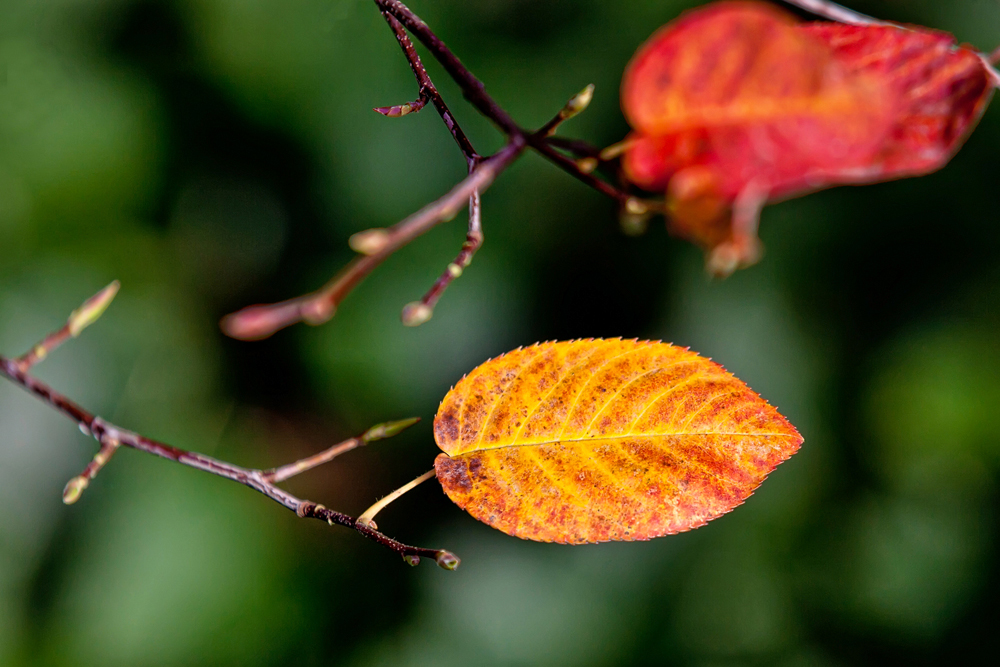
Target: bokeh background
[{"x": 215, "y": 153}]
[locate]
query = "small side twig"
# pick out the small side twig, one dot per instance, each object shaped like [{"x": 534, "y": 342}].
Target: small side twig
[
  {"x": 379, "y": 432},
  {"x": 429, "y": 92},
  {"x": 375, "y": 245},
  {"x": 257, "y": 322},
  {"x": 416, "y": 313},
  {"x": 112, "y": 437},
  {"x": 80, "y": 319}
]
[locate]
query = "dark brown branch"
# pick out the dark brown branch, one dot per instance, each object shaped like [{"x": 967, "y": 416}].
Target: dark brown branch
[
  {"x": 104, "y": 432},
  {"x": 257, "y": 322},
  {"x": 374, "y": 246},
  {"x": 429, "y": 92},
  {"x": 112, "y": 437},
  {"x": 472, "y": 88},
  {"x": 577, "y": 147}
]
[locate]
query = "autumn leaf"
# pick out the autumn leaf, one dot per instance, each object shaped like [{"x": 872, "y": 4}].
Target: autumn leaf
[
  {"x": 738, "y": 104},
  {"x": 596, "y": 440}
]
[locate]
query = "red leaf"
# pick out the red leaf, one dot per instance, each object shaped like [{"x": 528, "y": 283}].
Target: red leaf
[{"x": 736, "y": 104}]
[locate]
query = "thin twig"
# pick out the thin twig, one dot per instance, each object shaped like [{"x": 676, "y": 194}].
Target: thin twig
[
  {"x": 257, "y": 322},
  {"x": 387, "y": 430},
  {"x": 834, "y": 12},
  {"x": 111, "y": 437},
  {"x": 80, "y": 319},
  {"x": 475, "y": 92},
  {"x": 429, "y": 91},
  {"x": 472, "y": 88},
  {"x": 76, "y": 486},
  {"x": 261, "y": 321},
  {"x": 417, "y": 312},
  {"x": 104, "y": 432}
]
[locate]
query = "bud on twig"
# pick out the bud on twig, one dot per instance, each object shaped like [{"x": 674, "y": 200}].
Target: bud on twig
[
  {"x": 587, "y": 165},
  {"x": 416, "y": 313},
  {"x": 579, "y": 103},
  {"x": 92, "y": 309},
  {"x": 448, "y": 560},
  {"x": 388, "y": 429},
  {"x": 74, "y": 489},
  {"x": 635, "y": 206},
  {"x": 370, "y": 241}
]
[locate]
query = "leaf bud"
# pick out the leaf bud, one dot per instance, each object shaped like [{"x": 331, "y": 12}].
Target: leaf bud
[
  {"x": 578, "y": 103},
  {"x": 91, "y": 311},
  {"x": 74, "y": 489},
  {"x": 448, "y": 560},
  {"x": 416, "y": 313},
  {"x": 370, "y": 241},
  {"x": 388, "y": 429}
]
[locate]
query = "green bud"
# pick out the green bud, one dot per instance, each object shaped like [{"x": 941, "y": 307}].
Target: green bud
[
  {"x": 92, "y": 309},
  {"x": 388, "y": 429},
  {"x": 448, "y": 560}
]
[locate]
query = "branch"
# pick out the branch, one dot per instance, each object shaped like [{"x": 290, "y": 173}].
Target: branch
[
  {"x": 428, "y": 92},
  {"x": 111, "y": 437},
  {"x": 834, "y": 12},
  {"x": 375, "y": 245},
  {"x": 257, "y": 322},
  {"x": 472, "y": 88},
  {"x": 416, "y": 313}
]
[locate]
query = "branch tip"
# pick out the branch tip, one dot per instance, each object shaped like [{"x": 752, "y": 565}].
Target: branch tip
[
  {"x": 615, "y": 150},
  {"x": 635, "y": 206},
  {"x": 400, "y": 110},
  {"x": 578, "y": 103},
  {"x": 416, "y": 313},
  {"x": 92, "y": 309},
  {"x": 447, "y": 560},
  {"x": 388, "y": 429},
  {"x": 74, "y": 489}
]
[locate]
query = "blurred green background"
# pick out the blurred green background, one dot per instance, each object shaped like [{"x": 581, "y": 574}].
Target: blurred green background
[{"x": 215, "y": 153}]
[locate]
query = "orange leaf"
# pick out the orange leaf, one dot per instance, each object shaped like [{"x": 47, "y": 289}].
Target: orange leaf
[
  {"x": 737, "y": 104},
  {"x": 596, "y": 440}
]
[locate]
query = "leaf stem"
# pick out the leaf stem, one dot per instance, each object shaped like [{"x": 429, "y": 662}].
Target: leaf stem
[{"x": 369, "y": 514}]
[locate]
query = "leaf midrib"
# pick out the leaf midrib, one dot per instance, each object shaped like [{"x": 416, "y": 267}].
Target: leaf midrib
[{"x": 620, "y": 437}]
